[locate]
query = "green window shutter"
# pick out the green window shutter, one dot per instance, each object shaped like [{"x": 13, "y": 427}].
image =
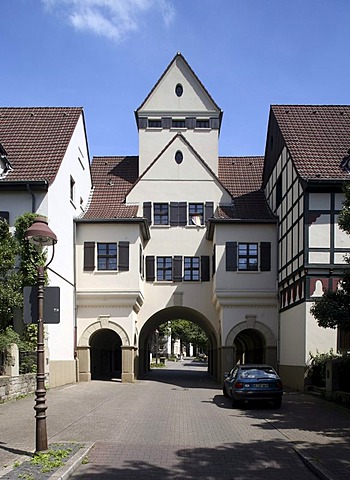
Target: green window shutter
[
  {"x": 89, "y": 256},
  {"x": 182, "y": 214},
  {"x": 231, "y": 256},
  {"x": 209, "y": 210},
  {"x": 205, "y": 268},
  {"x": 150, "y": 272},
  {"x": 177, "y": 269},
  {"x": 147, "y": 211},
  {"x": 123, "y": 264},
  {"x": 265, "y": 256}
]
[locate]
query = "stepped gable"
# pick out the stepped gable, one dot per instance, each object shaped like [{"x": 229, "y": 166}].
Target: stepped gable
[
  {"x": 317, "y": 137},
  {"x": 36, "y": 140},
  {"x": 112, "y": 177}
]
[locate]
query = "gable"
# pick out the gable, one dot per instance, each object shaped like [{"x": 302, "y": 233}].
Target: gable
[
  {"x": 171, "y": 177},
  {"x": 164, "y": 97}
]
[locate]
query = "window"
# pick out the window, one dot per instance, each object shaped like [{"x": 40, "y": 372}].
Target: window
[
  {"x": 179, "y": 89},
  {"x": 178, "y": 123},
  {"x": 5, "y": 216},
  {"x": 196, "y": 214},
  {"x": 161, "y": 214},
  {"x": 72, "y": 188},
  {"x": 202, "y": 124},
  {"x": 179, "y": 157},
  {"x": 154, "y": 123},
  {"x": 191, "y": 269},
  {"x": 248, "y": 256},
  {"x": 164, "y": 268},
  {"x": 107, "y": 256}
]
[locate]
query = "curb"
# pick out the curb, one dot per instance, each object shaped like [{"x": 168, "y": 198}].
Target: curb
[
  {"x": 315, "y": 466},
  {"x": 73, "y": 463}
]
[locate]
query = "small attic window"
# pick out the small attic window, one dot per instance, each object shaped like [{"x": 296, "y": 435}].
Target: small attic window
[
  {"x": 179, "y": 157},
  {"x": 179, "y": 90}
]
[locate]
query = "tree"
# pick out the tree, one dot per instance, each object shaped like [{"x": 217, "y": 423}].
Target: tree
[
  {"x": 333, "y": 309},
  {"x": 189, "y": 332}
]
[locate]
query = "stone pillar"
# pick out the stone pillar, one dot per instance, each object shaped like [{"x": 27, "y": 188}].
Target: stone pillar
[
  {"x": 227, "y": 360},
  {"x": 11, "y": 366},
  {"x": 83, "y": 354},
  {"x": 128, "y": 366}
]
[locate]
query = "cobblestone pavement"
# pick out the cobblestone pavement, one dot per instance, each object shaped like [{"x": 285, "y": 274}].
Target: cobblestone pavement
[{"x": 175, "y": 424}]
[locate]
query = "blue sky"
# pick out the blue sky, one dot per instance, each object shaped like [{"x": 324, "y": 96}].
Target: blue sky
[{"x": 106, "y": 55}]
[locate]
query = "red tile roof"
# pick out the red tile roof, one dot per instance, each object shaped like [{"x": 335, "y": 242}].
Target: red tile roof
[
  {"x": 112, "y": 177},
  {"x": 241, "y": 175},
  {"x": 36, "y": 140},
  {"x": 249, "y": 207},
  {"x": 317, "y": 137}
]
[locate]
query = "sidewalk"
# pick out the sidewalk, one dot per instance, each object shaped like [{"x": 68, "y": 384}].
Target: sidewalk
[{"x": 169, "y": 420}]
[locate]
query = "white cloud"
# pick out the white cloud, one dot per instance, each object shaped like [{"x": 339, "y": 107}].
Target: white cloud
[{"x": 113, "y": 19}]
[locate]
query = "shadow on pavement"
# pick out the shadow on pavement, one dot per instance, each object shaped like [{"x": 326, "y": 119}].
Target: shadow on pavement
[{"x": 263, "y": 460}]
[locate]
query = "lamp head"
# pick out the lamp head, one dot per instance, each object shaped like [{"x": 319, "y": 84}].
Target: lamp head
[{"x": 40, "y": 233}]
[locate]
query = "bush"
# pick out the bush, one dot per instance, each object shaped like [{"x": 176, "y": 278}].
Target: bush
[
  {"x": 317, "y": 368},
  {"x": 344, "y": 373}
]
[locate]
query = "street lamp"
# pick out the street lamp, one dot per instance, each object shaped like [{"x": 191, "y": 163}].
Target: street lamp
[{"x": 40, "y": 234}]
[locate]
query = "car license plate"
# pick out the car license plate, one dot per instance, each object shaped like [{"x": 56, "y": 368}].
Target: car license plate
[{"x": 261, "y": 385}]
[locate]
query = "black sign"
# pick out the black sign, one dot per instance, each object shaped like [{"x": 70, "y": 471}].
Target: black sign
[{"x": 51, "y": 304}]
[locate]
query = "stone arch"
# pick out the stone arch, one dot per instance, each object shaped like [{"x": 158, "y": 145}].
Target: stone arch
[
  {"x": 270, "y": 339},
  {"x": 103, "y": 323}
]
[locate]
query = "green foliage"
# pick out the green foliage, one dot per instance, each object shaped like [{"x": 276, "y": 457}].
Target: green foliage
[
  {"x": 317, "y": 368},
  {"x": 344, "y": 216},
  {"x": 30, "y": 257},
  {"x": 51, "y": 459},
  {"x": 189, "y": 332}
]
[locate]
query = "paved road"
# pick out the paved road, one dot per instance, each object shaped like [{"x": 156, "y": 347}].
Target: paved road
[{"x": 175, "y": 425}]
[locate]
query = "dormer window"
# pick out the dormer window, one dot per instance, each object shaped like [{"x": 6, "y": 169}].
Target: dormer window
[
  {"x": 154, "y": 123},
  {"x": 5, "y": 165},
  {"x": 202, "y": 123}
]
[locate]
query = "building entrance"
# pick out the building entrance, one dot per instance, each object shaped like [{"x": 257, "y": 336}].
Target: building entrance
[{"x": 105, "y": 355}]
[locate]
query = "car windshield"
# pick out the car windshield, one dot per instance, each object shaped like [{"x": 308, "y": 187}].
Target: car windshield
[{"x": 257, "y": 373}]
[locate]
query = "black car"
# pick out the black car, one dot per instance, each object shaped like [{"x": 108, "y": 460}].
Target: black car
[{"x": 253, "y": 382}]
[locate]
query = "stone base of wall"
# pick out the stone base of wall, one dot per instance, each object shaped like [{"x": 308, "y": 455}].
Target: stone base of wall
[
  {"x": 17, "y": 386},
  {"x": 62, "y": 372}
]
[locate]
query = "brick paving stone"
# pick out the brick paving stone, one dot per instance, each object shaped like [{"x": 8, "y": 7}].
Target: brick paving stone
[{"x": 175, "y": 424}]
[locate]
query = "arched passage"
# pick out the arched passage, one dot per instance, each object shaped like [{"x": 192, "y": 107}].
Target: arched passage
[
  {"x": 174, "y": 313},
  {"x": 252, "y": 342},
  {"x": 105, "y": 355}
]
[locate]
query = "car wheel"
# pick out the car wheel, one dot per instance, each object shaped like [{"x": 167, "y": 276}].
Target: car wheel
[
  {"x": 277, "y": 403},
  {"x": 224, "y": 391}
]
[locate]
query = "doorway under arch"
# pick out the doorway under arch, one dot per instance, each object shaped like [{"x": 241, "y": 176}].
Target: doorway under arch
[
  {"x": 105, "y": 355},
  {"x": 250, "y": 345},
  {"x": 175, "y": 313}
]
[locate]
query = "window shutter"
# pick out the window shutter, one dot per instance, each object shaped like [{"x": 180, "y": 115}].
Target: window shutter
[
  {"x": 265, "y": 256},
  {"x": 191, "y": 122},
  {"x": 209, "y": 210},
  {"x": 142, "y": 122},
  {"x": 205, "y": 268},
  {"x": 166, "y": 122},
  {"x": 177, "y": 269},
  {"x": 123, "y": 264},
  {"x": 174, "y": 214},
  {"x": 182, "y": 213},
  {"x": 5, "y": 216},
  {"x": 150, "y": 275},
  {"x": 231, "y": 256},
  {"x": 89, "y": 256},
  {"x": 214, "y": 123},
  {"x": 147, "y": 211},
  {"x": 214, "y": 260}
]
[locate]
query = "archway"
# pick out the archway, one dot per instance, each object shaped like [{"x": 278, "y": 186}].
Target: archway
[
  {"x": 249, "y": 346},
  {"x": 174, "y": 313},
  {"x": 252, "y": 342},
  {"x": 105, "y": 355}
]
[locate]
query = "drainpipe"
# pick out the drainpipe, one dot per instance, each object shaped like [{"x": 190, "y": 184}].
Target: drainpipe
[
  {"x": 75, "y": 301},
  {"x": 33, "y": 197}
]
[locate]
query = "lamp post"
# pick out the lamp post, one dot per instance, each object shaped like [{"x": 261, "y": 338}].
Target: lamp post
[{"x": 40, "y": 234}]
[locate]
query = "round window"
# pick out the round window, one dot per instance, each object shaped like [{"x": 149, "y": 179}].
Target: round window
[
  {"x": 178, "y": 157},
  {"x": 179, "y": 90}
]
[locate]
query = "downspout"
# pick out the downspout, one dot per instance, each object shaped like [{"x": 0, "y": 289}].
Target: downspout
[
  {"x": 75, "y": 303},
  {"x": 33, "y": 197}
]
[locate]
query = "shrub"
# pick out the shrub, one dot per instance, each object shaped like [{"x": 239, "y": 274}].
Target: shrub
[{"x": 317, "y": 368}]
